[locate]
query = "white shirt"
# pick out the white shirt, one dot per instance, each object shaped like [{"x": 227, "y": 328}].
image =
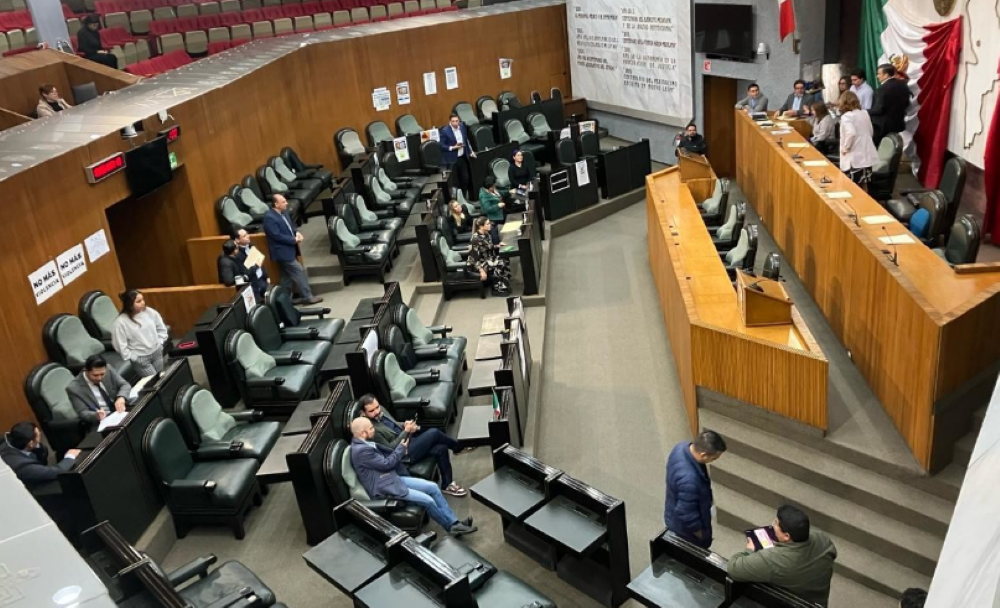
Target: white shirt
[
  {"x": 865, "y": 94},
  {"x": 98, "y": 395},
  {"x": 140, "y": 336},
  {"x": 459, "y": 140},
  {"x": 857, "y": 150}
]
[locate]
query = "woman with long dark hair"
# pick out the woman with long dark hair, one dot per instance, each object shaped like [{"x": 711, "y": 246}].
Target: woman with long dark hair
[
  {"x": 139, "y": 334},
  {"x": 484, "y": 261}
]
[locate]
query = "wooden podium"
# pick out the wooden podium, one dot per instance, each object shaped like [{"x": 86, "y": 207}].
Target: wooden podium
[
  {"x": 770, "y": 306},
  {"x": 693, "y": 166}
]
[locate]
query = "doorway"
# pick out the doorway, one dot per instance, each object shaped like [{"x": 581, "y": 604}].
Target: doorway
[{"x": 720, "y": 124}]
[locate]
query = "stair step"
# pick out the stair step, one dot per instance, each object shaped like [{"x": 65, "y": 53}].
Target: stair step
[
  {"x": 833, "y": 513},
  {"x": 321, "y": 285},
  {"x": 884, "y": 495},
  {"x": 963, "y": 449},
  {"x": 326, "y": 270},
  {"x": 853, "y": 561},
  {"x": 953, "y": 475}
]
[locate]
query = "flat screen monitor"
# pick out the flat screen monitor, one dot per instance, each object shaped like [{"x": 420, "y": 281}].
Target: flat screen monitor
[
  {"x": 148, "y": 167},
  {"x": 724, "y": 30}
]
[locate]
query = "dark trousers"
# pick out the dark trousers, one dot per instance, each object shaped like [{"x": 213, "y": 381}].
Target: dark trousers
[
  {"x": 105, "y": 58},
  {"x": 463, "y": 174},
  {"x": 434, "y": 442},
  {"x": 705, "y": 542}
]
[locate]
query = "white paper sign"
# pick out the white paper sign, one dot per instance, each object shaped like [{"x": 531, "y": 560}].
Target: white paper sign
[
  {"x": 582, "y": 175},
  {"x": 97, "y": 245},
  {"x": 71, "y": 264},
  {"x": 815, "y": 163},
  {"x": 45, "y": 282},
  {"x": 430, "y": 83},
  {"x": 588, "y": 125},
  {"x": 381, "y": 99},
  {"x": 842, "y": 194},
  {"x": 248, "y": 299},
  {"x": 451, "y": 78},
  {"x": 402, "y": 151},
  {"x": 403, "y": 93},
  {"x": 430, "y": 135},
  {"x": 504, "y": 68}
]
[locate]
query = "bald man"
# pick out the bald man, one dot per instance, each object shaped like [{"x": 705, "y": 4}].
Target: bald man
[{"x": 380, "y": 470}]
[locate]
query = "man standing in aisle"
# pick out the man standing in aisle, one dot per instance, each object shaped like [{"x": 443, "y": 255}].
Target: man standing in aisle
[
  {"x": 688, "y": 509},
  {"x": 283, "y": 242},
  {"x": 456, "y": 151},
  {"x": 861, "y": 88}
]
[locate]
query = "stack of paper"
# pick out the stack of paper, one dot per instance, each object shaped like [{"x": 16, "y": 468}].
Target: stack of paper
[
  {"x": 897, "y": 239},
  {"x": 839, "y": 195},
  {"x": 878, "y": 219},
  {"x": 815, "y": 163},
  {"x": 111, "y": 420}
]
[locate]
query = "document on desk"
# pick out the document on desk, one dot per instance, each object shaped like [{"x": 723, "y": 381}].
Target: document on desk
[
  {"x": 111, "y": 420},
  {"x": 134, "y": 393},
  {"x": 815, "y": 163},
  {"x": 798, "y": 144},
  {"x": 840, "y": 194},
  {"x": 878, "y": 219},
  {"x": 782, "y": 132},
  {"x": 511, "y": 226},
  {"x": 897, "y": 239}
]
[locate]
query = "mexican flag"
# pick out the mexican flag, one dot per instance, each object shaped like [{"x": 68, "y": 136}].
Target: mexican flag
[{"x": 926, "y": 56}]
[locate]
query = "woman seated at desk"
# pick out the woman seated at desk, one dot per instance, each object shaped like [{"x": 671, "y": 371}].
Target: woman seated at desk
[
  {"x": 493, "y": 206},
  {"x": 484, "y": 260},
  {"x": 824, "y": 135},
  {"x": 462, "y": 222}
]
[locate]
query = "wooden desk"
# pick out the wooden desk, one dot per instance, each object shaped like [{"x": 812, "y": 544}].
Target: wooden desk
[
  {"x": 917, "y": 331},
  {"x": 779, "y": 367}
]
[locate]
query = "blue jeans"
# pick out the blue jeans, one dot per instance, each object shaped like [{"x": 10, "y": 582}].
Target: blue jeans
[
  {"x": 292, "y": 273},
  {"x": 434, "y": 442},
  {"x": 428, "y": 495}
]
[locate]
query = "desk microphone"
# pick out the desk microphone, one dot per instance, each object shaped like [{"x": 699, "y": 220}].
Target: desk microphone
[
  {"x": 894, "y": 256},
  {"x": 826, "y": 180},
  {"x": 756, "y": 284},
  {"x": 854, "y": 215},
  {"x": 781, "y": 142},
  {"x": 797, "y": 156}
]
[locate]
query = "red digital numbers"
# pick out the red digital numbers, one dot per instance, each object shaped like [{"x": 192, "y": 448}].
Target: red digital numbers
[{"x": 105, "y": 168}]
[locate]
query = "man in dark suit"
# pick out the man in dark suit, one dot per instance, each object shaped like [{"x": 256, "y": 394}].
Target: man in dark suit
[
  {"x": 283, "y": 243},
  {"x": 892, "y": 99},
  {"x": 229, "y": 266},
  {"x": 97, "y": 391},
  {"x": 381, "y": 472},
  {"x": 456, "y": 151},
  {"x": 257, "y": 274},
  {"x": 430, "y": 442},
  {"x": 798, "y": 102},
  {"x": 24, "y": 453},
  {"x": 692, "y": 142}
]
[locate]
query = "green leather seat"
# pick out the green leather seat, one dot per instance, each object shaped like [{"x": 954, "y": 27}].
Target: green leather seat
[
  {"x": 215, "y": 489},
  {"x": 393, "y": 339},
  {"x": 267, "y": 380},
  {"x": 274, "y": 340},
  {"x": 206, "y": 426},
  {"x": 406, "y": 395},
  {"x": 428, "y": 339},
  {"x": 279, "y": 300}
]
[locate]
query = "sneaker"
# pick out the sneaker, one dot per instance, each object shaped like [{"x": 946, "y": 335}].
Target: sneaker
[
  {"x": 454, "y": 489},
  {"x": 460, "y": 529},
  {"x": 313, "y": 300},
  {"x": 466, "y": 450},
  {"x": 467, "y": 521}
]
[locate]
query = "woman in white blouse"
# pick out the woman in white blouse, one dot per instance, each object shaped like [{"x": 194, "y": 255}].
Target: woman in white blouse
[
  {"x": 857, "y": 151},
  {"x": 139, "y": 334}
]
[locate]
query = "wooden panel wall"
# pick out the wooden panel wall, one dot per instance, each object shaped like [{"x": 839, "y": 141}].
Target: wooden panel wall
[
  {"x": 300, "y": 100},
  {"x": 21, "y": 75},
  {"x": 204, "y": 252},
  {"x": 10, "y": 119},
  {"x": 180, "y": 307}
]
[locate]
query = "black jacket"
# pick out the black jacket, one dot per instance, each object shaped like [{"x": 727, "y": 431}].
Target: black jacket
[
  {"x": 88, "y": 42},
  {"x": 33, "y": 470},
  {"x": 257, "y": 280},
  {"x": 229, "y": 269},
  {"x": 694, "y": 144},
  {"x": 888, "y": 112}
]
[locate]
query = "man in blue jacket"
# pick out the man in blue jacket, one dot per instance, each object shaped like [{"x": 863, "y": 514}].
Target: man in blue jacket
[
  {"x": 688, "y": 509},
  {"x": 456, "y": 150},
  {"x": 283, "y": 243},
  {"x": 380, "y": 470}
]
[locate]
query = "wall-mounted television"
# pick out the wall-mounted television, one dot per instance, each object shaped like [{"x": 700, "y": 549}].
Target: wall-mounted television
[
  {"x": 147, "y": 167},
  {"x": 724, "y": 31}
]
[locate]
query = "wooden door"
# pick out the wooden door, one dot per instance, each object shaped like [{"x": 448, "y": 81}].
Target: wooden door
[{"x": 719, "y": 129}]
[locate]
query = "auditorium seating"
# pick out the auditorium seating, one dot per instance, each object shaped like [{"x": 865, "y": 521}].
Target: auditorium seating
[
  {"x": 251, "y": 189},
  {"x": 158, "y": 65},
  {"x": 508, "y": 101},
  {"x": 352, "y": 221},
  {"x": 217, "y": 488},
  {"x": 207, "y": 428},
  {"x": 466, "y": 114},
  {"x": 885, "y": 169},
  {"x": 452, "y": 269},
  {"x": 455, "y": 241},
  {"x": 407, "y": 124},
  {"x": 482, "y": 137},
  {"x": 45, "y": 389},
  {"x": 304, "y": 192},
  {"x": 270, "y": 383},
  {"x": 393, "y": 339},
  {"x": 280, "y": 342},
  {"x": 232, "y": 217},
  {"x": 406, "y": 395},
  {"x": 67, "y": 342},
  {"x": 726, "y": 236},
  {"x": 744, "y": 254},
  {"x": 357, "y": 258},
  {"x": 539, "y": 125},
  {"x": 306, "y": 170},
  {"x": 98, "y": 313},
  {"x": 370, "y": 220},
  {"x": 487, "y": 107},
  {"x": 951, "y": 187},
  {"x": 426, "y": 338},
  {"x": 348, "y": 145},
  {"x": 516, "y": 133},
  {"x": 963, "y": 242},
  {"x": 384, "y": 201},
  {"x": 279, "y": 301}
]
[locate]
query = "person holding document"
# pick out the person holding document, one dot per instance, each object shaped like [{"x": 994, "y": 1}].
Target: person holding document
[
  {"x": 255, "y": 269},
  {"x": 98, "y": 391}
]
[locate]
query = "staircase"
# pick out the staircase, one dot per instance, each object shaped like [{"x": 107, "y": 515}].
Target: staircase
[{"x": 888, "y": 529}]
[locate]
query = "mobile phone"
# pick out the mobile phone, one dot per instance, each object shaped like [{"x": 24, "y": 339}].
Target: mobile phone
[{"x": 762, "y": 538}]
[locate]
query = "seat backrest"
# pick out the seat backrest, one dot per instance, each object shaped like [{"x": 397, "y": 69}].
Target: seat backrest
[
  {"x": 344, "y": 238},
  {"x": 98, "y": 313},
  {"x": 712, "y": 205},
  {"x": 466, "y": 114},
  {"x": 589, "y": 143},
  {"x": 751, "y": 256},
  {"x": 266, "y": 333},
  {"x": 361, "y": 208},
  {"x": 515, "y": 131},
  {"x": 963, "y": 244},
  {"x": 482, "y": 136},
  {"x": 378, "y": 192},
  {"x": 45, "y": 389},
  {"x": 268, "y": 178},
  {"x": 323, "y": 20},
  {"x": 727, "y": 230},
  {"x": 772, "y": 266},
  {"x": 400, "y": 383},
  {"x": 933, "y": 201},
  {"x": 508, "y": 101},
  {"x": 232, "y": 213},
  {"x": 347, "y": 212},
  {"x": 187, "y": 10},
  {"x": 500, "y": 167},
  {"x": 953, "y": 181},
  {"x": 165, "y": 451},
  {"x": 349, "y": 142},
  {"x": 536, "y": 97},
  {"x": 359, "y": 15},
  {"x": 487, "y": 107},
  {"x": 738, "y": 253},
  {"x": 539, "y": 125},
  {"x": 430, "y": 155},
  {"x": 378, "y": 131},
  {"x": 407, "y": 125},
  {"x": 72, "y": 339},
  {"x": 566, "y": 152},
  {"x": 252, "y": 201},
  {"x": 250, "y": 360},
  {"x": 279, "y": 301}
]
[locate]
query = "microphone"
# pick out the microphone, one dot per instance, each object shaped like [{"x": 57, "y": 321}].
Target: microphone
[
  {"x": 781, "y": 142},
  {"x": 797, "y": 156},
  {"x": 756, "y": 284},
  {"x": 854, "y": 215},
  {"x": 894, "y": 256},
  {"x": 826, "y": 180}
]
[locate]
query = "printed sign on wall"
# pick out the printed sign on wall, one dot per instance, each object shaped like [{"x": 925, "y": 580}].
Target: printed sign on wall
[
  {"x": 71, "y": 264},
  {"x": 45, "y": 282}
]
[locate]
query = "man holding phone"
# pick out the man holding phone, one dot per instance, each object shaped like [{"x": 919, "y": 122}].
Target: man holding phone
[
  {"x": 421, "y": 443},
  {"x": 456, "y": 151}
]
